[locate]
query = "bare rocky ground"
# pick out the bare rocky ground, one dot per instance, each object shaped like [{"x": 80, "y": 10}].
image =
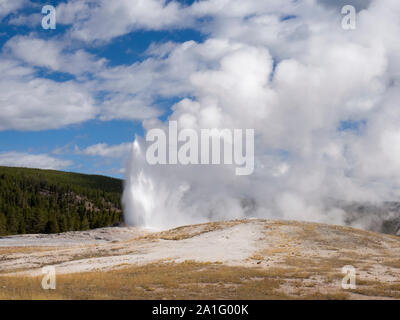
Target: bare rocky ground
[{"x": 305, "y": 259}]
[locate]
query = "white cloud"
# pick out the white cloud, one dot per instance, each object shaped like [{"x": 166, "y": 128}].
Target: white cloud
[
  {"x": 27, "y": 103},
  {"x": 127, "y": 107},
  {"x": 124, "y": 97},
  {"x": 72, "y": 11},
  {"x": 52, "y": 54},
  {"x": 107, "y": 151},
  {"x": 7, "y": 7},
  {"x": 104, "y": 20},
  {"x": 31, "y": 21},
  {"x": 41, "y": 161},
  {"x": 134, "y": 90}
]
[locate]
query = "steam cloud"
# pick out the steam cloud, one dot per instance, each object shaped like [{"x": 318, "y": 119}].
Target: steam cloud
[{"x": 324, "y": 103}]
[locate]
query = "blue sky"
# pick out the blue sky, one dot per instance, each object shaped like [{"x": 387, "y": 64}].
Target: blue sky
[
  {"x": 63, "y": 141},
  {"x": 319, "y": 87},
  {"x": 74, "y": 98}
]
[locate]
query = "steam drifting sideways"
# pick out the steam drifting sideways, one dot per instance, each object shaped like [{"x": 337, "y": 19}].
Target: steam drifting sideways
[{"x": 323, "y": 102}]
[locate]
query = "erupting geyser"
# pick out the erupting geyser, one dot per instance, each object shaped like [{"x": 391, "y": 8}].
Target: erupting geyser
[
  {"x": 149, "y": 202},
  {"x": 323, "y": 104}
]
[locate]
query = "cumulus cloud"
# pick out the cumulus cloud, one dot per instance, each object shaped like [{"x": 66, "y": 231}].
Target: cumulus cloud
[
  {"x": 104, "y": 20},
  {"x": 29, "y": 103},
  {"x": 31, "y": 21},
  {"x": 41, "y": 161},
  {"x": 7, "y": 7},
  {"x": 108, "y": 151},
  {"x": 52, "y": 54}
]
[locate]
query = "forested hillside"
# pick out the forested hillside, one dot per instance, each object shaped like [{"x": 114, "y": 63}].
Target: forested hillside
[{"x": 48, "y": 201}]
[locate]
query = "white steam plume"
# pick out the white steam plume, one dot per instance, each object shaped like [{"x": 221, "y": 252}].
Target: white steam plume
[{"x": 323, "y": 101}]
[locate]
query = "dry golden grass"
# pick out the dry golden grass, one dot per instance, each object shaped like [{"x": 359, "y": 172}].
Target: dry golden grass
[
  {"x": 392, "y": 263},
  {"x": 378, "y": 289},
  {"x": 328, "y": 296},
  {"x": 188, "y": 280},
  {"x": 11, "y": 250}
]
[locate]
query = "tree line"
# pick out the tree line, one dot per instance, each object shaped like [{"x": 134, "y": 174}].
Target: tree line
[{"x": 42, "y": 201}]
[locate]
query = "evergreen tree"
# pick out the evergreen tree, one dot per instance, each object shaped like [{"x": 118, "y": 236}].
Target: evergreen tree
[
  {"x": 38, "y": 201},
  {"x": 62, "y": 223},
  {"x": 52, "y": 226},
  {"x": 12, "y": 223},
  {"x": 3, "y": 224},
  {"x": 84, "y": 223}
]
